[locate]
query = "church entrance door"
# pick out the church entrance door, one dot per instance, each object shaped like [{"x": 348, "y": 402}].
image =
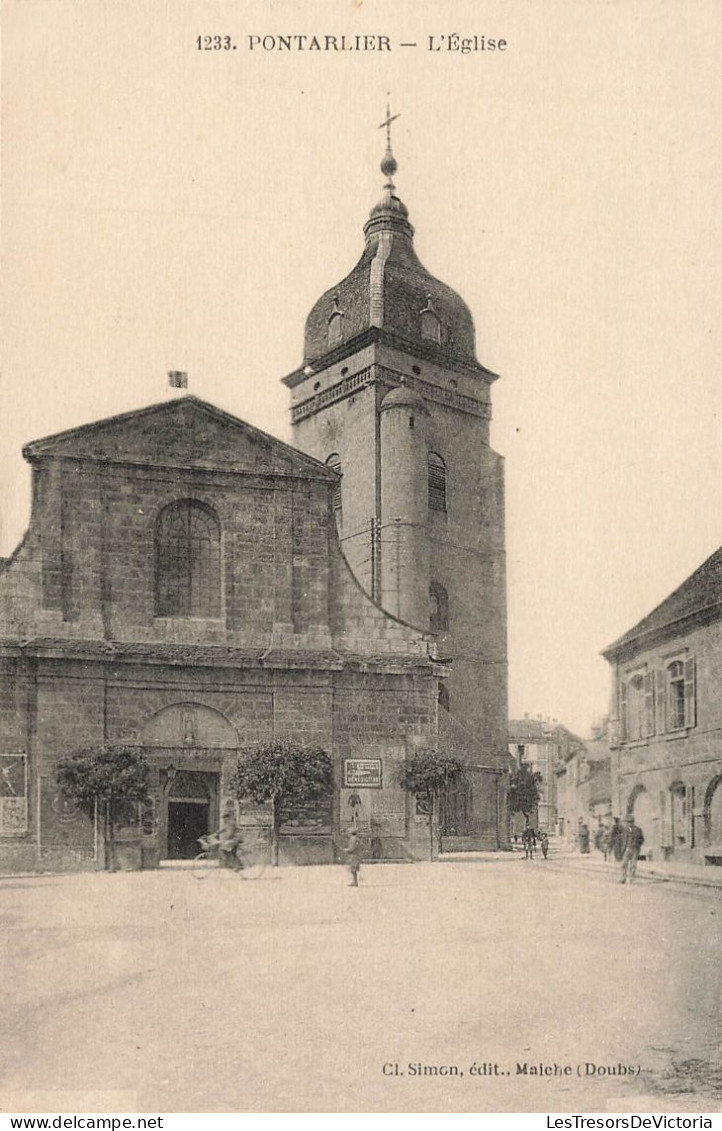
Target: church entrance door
[
  {"x": 192, "y": 811},
  {"x": 187, "y": 821}
]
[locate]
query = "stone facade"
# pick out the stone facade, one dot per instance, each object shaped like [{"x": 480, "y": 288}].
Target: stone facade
[
  {"x": 295, "y": 648},
  {"x": 667, "y": 721},
  {"x": 584, "y": 785}
]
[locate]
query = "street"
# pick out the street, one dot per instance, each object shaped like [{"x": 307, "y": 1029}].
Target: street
[{"x": 497, "y": 985}]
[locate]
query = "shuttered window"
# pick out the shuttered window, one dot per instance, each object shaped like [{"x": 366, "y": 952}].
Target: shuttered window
[
  {"x": 635, "y": 708},
  {"x": 437, "y": 482},
  {"x": 675, "y": 695},
  {"x": 690, "y": 694},
  {"x": 648, "y": 704},
  {"x": 334, "y": 462},
  {"x": 438, "y": 608}
]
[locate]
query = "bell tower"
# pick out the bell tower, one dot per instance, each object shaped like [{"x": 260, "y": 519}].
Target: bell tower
[{"x": 392, "y": 395}]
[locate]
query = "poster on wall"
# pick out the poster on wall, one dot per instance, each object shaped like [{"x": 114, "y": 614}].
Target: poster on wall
[
  {"x": 13, "y": 790},
  {"x": 362, "y": 773}
]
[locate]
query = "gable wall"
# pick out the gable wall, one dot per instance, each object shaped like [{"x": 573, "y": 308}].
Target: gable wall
[{"x": 93, "y": 557}]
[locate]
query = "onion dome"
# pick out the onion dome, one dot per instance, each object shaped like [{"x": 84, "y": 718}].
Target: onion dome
[{"x": 389, "y": 288}]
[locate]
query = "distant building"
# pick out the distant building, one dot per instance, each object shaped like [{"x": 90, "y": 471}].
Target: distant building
[
  {"x": 543, "y": 745},
  {"x": 667, "y": 721},
  {"x": 584, "y": 785}
]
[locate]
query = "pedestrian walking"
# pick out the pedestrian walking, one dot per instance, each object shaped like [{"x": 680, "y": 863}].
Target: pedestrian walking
[
  {"x": 352, "y": 852},
  {"x": 544, "y": 842},
  {"x": 616, "y": 840},
  {"x": 528, "y": 839},
  {"x": 584, "y": 838},
  {"x": 633, "y": 841}
]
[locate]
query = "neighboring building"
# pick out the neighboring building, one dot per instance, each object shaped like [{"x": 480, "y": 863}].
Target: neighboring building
[
  {"x": 391, "y": 395},
  {"x": 584, "y": 785},
  {"x": 667, "y": 712},
  {"x": 544, "y": 746},
  {"x": 191, "y": 586}
]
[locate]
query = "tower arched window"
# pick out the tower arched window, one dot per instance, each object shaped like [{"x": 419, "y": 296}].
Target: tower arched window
[
  {"x": 187, "y": 561},
  {"x": 444, "y": 696},
  {"x": 437, "y": 482},
  {"x": 438, "y": 608},
  {"x": 334, "y": 462}
]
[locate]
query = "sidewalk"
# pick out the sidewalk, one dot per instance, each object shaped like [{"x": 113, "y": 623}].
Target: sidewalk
[{"x": 704, "y": 875}]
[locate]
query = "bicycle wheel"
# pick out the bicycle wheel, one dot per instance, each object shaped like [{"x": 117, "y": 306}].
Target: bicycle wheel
[
  {"x": 252, "y": 871},
  {"x": 201, "y": 866}
]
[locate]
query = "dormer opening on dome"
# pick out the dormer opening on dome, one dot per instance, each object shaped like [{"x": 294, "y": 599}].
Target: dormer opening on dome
[
  {"x": 335, "y": 325},
  {"x": 430, "y": 322}
]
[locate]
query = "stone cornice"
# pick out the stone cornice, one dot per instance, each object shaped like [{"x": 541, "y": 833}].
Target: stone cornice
[
  {"x": 390, "y": 379},
  {"x": 424, "y": 351},
  {"x": 658, "y": 635}
]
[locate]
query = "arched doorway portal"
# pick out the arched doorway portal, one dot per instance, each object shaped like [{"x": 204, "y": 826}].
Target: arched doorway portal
[
  {"x": 187, "y": 744},
  {"x": 713, "y": 819}
]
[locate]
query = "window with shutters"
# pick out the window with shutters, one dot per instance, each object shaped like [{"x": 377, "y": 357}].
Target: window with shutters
[
  {"x": 678, "y": 797},
  {"x": 681, "y": 694},
  {"x": 648, "y": 720},
  {"x": 634, "y": 699},
  {"x": 187, "y": 561},
  {"x": 334, "y": 462},
  {"x": 438, "y": 608},
  {"x": 437, "y": 482}
]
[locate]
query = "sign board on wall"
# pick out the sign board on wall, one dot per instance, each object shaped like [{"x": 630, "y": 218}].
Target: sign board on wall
[{"x": 362, "y": 773}]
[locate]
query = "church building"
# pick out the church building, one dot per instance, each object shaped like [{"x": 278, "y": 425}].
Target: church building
[{"x": 193, "y": 587}]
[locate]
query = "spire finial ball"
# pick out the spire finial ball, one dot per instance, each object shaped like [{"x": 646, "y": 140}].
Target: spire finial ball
[{"x": 388, "y": 165}]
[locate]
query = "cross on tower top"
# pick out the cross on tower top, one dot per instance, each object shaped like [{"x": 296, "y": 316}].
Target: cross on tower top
[
  {"x": 387, "y": 124},
  {"x": 388, "y": 165}
]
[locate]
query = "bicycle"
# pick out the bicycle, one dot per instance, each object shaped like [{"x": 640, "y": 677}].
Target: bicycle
[{"x": 209, "y": 859}]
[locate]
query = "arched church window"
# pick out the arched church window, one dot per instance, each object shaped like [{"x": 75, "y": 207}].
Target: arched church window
[
  {"x": 187, "y": 561},
  {"x": 430, "y": 324},
  {"x": 437, "y": 482},
  {"x": 438, "y": 608},
  {"x": 334, "y": 462},
  {"x": 444, "y": 696}
]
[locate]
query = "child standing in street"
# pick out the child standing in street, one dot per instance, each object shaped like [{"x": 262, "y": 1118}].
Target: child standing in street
[{"x": 352, "y": 852}]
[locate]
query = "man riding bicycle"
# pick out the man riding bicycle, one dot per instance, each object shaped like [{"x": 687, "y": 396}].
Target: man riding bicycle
[{"x": 229, "y": 840}]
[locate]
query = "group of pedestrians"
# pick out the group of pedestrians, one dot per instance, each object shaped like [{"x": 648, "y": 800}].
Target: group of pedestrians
[
  {"x": 621, "y": 843},
  {"x": 530, "y": 838}
]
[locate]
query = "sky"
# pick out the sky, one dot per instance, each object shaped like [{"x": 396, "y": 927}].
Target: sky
[{"x": 165, "y": 207}]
